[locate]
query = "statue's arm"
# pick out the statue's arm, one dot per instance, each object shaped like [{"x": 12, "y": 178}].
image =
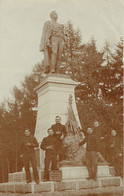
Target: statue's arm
[{"x": 45, "y": 39}]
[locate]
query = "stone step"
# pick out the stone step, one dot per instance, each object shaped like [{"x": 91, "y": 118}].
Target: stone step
[
  {"x": 68, "y": 173},
  {"x": 66, "y": 185},
  {"x": 21, "y": 177}
]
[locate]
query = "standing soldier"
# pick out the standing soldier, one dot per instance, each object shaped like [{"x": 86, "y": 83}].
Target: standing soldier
[
  {"x": 102, "y": 139},
  {"x": 59, "y": 132},
  {"x": 28, "y": 154},
  {"x": 114, "y": 145},
  {"x": 91, "y": 153},
  {"x": 50, "y": 145}
]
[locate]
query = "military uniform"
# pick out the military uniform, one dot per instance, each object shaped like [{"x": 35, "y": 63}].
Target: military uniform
[
  {"x": 102, "y": 140},
  {"x": 91, "y": 156},
  {"x": 29, "y": 156},
  {"x": 113, "y": 148},
  {"x": 58, "y": 131},
  {"x": 50, "y": 154}
]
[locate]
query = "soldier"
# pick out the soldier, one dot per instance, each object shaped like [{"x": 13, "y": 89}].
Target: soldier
[
  {"x": 28, "y": 154},
  {"x": 59, "y": 132},
  {"x": 102, "y": 138},
  {"x": 91, "y": 153},
  {"x": 51, "y": 147},
  {"x": 113, "y": 146}
]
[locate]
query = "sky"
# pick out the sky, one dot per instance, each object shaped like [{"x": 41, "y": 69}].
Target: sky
[{"x": 21, "y": 24}]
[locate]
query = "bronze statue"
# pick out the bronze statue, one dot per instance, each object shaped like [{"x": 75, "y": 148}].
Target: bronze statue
[{"x": 52, "y": 43}]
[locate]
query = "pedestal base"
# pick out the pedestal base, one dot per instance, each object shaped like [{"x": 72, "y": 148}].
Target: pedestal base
[
  {"x": 68, "y": 173},
  {"x": 81, "y": 172}
]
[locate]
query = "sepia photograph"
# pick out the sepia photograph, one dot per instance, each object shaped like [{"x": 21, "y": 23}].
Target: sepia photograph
[{"x": 61, "y": 99}]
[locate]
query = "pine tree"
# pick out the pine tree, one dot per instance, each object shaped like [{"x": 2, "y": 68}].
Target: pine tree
[
  {"x": 72, "y": 52},
  {"x": 111, "y": 75}
]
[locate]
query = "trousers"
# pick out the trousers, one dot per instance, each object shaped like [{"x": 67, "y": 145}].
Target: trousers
[
  {"x": 91, "y": 163},
  {"x": 50, "y": 158},
  {"x": 30, "y": 158},
  {"x": 57, "y": 50}
]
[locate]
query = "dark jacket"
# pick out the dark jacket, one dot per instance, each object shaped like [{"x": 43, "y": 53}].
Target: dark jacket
[
  {"x": 58, "y": 130},
  {"x": 98, "y": 132},
  {"x": 28, "y": 149},
  {"x": 92, "y": 142},
  {"x": 115, "y": 141},
  {"x": 48, "y": 141}
]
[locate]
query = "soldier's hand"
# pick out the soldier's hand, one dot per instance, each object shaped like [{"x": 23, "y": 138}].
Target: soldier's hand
[
  {"x": 62, "y": 136},
  {"x": 21, "y": 156},
  {"x": 58, "y": 132},
  {"x": 49, "y": 147},
  {"x": 28, "y": 144},
  {"x": 48, "y": 43}
]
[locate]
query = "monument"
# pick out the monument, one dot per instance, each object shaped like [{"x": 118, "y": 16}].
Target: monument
[
  {"x": 54, "y": 93},
  {"x": 56, "y": 97},
  {"x": 53, "y": 99}
]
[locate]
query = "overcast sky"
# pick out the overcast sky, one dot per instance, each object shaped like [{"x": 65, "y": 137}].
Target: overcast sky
[{"x": 21, "y": 23}]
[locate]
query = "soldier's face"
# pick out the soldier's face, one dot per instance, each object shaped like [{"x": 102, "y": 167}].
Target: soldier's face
[
  {"x": 96, "y": 124},
  {"x": 58, "y": 120},
  {"x": 89, "y": 131},
  {"x": 50, "y": 132},
  {"x": 113, "y": 133}
]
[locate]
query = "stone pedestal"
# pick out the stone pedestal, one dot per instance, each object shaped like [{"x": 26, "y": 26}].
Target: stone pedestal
[
  {"x": 82, "y": 172},
  {"x": 53, "y": 95},
  {"x": 68, "y": 173}
]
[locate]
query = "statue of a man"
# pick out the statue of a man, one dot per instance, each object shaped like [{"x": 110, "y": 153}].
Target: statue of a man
[{"x": 52, "y": 43}]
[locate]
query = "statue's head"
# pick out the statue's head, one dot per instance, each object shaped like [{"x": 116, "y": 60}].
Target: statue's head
[
  {"x": 70, "y": 141},
  {"x": 53, "y": 15}
]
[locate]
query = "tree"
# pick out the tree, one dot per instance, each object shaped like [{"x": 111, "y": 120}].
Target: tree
[
  {"x": 89, "y": 77},
  {"x": 72, "y": 54},
  {"x": 111, "y": 75},
  {"x": 19, "y": 113}
]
